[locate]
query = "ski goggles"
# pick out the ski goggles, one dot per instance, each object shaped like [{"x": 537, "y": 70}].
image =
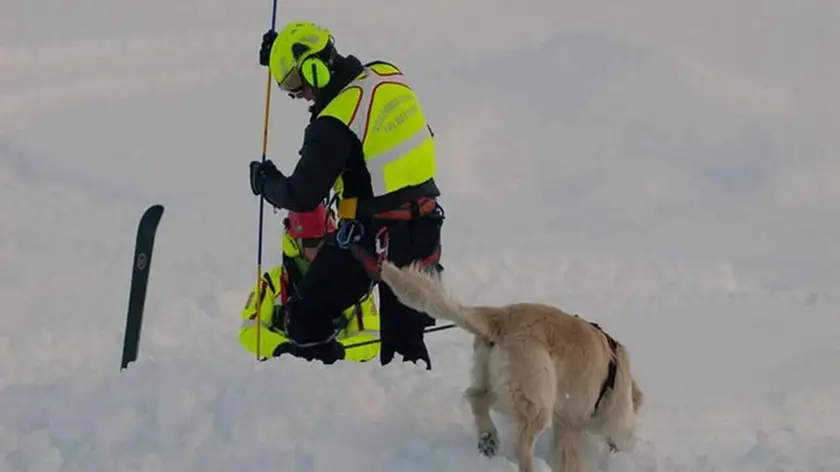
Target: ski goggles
[{"x": 292, "y": 82}]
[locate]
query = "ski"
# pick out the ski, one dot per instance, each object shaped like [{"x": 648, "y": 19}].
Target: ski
[{"x": 143, "y": 246}]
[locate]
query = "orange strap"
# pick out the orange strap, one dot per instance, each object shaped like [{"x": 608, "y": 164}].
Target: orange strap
[{"x": 348, "y": 209}]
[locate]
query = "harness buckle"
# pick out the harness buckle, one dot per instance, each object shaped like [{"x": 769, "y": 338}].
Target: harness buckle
[{"x": 349, "y": 233}]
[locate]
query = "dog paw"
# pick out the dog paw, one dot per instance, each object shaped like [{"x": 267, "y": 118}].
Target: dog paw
[{"x": 488, "y": 444}]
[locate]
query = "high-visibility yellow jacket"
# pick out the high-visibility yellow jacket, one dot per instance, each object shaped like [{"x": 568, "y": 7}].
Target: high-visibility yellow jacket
[
  {"x": 363, "y": 316},
  {"x": 381, "y": 109}
]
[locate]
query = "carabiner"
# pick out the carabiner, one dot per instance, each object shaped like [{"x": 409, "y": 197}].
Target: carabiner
[{"x": 349, "y": 233}]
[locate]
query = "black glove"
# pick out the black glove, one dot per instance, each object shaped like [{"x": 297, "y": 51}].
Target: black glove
[
  {"x": 265, "y": 48},
  {"x": 260, "y": 172}
]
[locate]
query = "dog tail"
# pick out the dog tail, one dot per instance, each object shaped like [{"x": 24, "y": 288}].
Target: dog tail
[{"x": 425, "y": 293}]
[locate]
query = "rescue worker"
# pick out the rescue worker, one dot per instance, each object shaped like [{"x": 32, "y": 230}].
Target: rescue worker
[
  {"x": 368, "y": 141},
  {"x": 303, "y": 237}
]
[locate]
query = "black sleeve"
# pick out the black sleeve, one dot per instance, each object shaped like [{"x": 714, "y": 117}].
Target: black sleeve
[{"x": 327, "y": 146}]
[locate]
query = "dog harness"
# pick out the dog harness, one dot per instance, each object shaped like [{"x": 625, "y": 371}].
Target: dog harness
[{"x": 609, "y": 381}]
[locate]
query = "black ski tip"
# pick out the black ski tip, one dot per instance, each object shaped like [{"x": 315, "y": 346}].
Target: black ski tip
[
  {"x": 152, "y": 214},
  {"x": 144, "y": 246}
]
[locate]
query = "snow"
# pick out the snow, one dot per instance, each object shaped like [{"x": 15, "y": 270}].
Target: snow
[{"x": 667, "y": 169}]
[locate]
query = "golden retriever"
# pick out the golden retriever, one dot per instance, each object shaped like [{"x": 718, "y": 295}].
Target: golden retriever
[{"x": 538, "y": 366}]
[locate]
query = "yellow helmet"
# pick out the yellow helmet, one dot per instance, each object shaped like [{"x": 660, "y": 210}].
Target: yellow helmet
[{"x": 293, "y": 55}]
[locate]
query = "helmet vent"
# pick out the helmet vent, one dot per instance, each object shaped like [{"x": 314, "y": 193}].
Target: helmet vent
[{"x": 299, "y": 49}]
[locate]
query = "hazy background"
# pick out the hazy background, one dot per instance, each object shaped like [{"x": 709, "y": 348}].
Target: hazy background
[{"x": 667, "y": 168}]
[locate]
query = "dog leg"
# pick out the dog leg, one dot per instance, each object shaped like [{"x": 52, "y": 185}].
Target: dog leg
[
  {"x": 638, "y": 396},
  {"x": 531, "y": 421},
  {"x": 566, "y": 448},
  {"x": 488, "y": 436},
  {"x": 619, "y": 427},
  {"x": 528, "y": 382},
  {"x": 480, "y": 398},
  {"x": 620, "y": 436}
]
